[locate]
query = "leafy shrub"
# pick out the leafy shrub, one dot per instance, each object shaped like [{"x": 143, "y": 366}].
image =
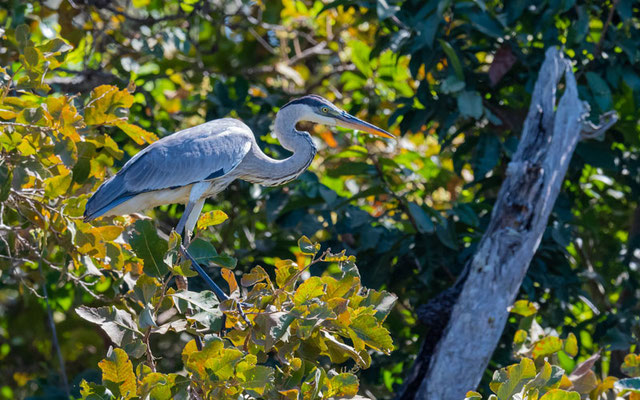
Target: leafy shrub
[
  {"x": 292, "y": 337},
  {"x": 547, "y": 369}
]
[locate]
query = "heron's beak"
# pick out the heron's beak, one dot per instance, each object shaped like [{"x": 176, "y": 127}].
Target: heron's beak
[{"x": 349, "y": 121}]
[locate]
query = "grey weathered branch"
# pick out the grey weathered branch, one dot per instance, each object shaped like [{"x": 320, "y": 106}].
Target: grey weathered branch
[{"x": 534, "y": 177}]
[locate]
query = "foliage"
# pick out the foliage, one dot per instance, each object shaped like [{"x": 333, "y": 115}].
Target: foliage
[
  {"x": 86, "y": 84},
  {"x": 547, "y": 369},
  {"x": 291, "y": 325}
]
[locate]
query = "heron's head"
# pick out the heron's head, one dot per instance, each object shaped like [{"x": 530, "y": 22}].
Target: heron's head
[{"x": 321, "y": 111}]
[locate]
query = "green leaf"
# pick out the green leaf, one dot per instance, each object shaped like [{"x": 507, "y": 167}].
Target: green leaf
[
  {"x": 23, "y": 33},
  {"x": 285, "y": 270},
  {"x": 558, "y": 394},
  {"x": 470, "y": 104},
  {"x": 117, "y": 368},
  {"x": 146, "y": 319},
  {"x": 631, "y": 365},
  {"x": 57, "y": 185},
  {"x": 453, "y": 60},
  {"x": 6, "y": 177},
  {"x": 225, "y": 261},
  {"x": 524, "y": 308},
  {"x": 547, "y": 346},
  {"x": 600, "y": 90},
  {"x": 510, "y": 380},
  {"x": 116, "y": 323},
  {"x": 381, "y": 301},
  {"x": 421, "y": 218},
  {"x": 368, "y": 330},
  {"x": 206, "y": 305},
  {"x": 202, "y": 251},
  {"x": 344, "y": 385},
  {"x": 256, "y": 379},
  {"x": 308, "y": 290},
  {"x": 571, "y": 345},
  {"x": 223, "y": 365},
  {"x": 452, "y": 84},
  {"x": 275, "y": 326},
  {"x": 148, "y": 246},
  {"x": 307, "y": 246},
  {"x": 471, "y": 395},
  {"x": 360, "y": 56},
  {"x": 211, "y": 218},
  {"x": 146, "y": 288}
]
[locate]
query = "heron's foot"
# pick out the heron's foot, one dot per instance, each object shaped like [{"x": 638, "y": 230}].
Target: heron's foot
[{"x": 220, "y": 294}]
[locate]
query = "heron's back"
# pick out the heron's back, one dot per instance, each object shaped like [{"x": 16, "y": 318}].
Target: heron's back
[{"x": 202, "y": 153}]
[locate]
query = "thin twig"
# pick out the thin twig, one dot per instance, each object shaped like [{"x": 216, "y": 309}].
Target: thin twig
[
  {"x": 614, "y": 3},
  {"x": 52, "y": 325},
  {"x": 150, "y": 358}
]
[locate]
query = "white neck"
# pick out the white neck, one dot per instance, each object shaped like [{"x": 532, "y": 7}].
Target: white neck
[{"x": 267, "y": 171}]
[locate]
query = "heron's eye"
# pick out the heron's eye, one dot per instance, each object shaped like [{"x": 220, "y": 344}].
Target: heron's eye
[{"x": 325, "y": 109}]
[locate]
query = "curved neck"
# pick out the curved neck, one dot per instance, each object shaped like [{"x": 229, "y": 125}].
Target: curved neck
[{"x": 271, "y": 172}]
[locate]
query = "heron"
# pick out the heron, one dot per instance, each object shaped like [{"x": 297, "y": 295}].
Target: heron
[{"x": 194, "y": 164}]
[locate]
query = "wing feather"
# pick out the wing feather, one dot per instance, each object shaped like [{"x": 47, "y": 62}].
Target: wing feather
[{"x": 204, "y": 152}]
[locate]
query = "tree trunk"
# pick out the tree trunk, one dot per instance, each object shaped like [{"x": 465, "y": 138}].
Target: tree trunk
[{"x": 475, "y": 319}]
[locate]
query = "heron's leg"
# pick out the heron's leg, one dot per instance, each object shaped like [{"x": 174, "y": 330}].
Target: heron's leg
[
  {"x": 195, "y": 199},
  {"x": 220, "y": 294},
  {"x": 192, "y": 220}
]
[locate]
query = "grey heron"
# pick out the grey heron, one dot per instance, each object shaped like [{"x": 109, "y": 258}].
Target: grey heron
[{"x": 197, "y": 163}]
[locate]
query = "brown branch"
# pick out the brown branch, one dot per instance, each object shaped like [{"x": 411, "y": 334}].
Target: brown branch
[{"x": 614, "y": 3}]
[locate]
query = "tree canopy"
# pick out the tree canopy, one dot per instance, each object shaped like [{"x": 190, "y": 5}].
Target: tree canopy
[{"x": 86, "y": 84}]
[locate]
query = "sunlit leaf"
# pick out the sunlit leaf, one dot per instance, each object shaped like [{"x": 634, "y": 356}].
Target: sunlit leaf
[
  {"x": 211, "y": 218},
  {"x": 117, "y": 368},
  {"x": 547, "y": 346},
  {"x": 117, "y": 324},
  {"x": 524, "y": 308},
  {"x": 307, "y": 246},
  {"x": 631, "y": 365},
  {"x": 107, "y": 105}
]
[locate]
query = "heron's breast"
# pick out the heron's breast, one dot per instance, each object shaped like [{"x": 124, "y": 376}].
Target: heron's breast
[{"x": 147, "y": 200}]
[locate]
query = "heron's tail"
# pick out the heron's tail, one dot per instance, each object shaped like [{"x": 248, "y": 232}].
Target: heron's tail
[{"x": 109, "y": 194}]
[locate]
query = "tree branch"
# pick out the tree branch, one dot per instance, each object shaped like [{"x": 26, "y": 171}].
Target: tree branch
[{"x": 476, "y": 317}]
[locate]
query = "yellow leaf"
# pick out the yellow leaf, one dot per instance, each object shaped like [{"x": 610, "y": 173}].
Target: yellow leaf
[
  {"x": 285, "y": 270},
  {"x": 520, "y": 336},
  {"x": 108, "y": 233},
  {"x": 107, "y": 105},
  {"x": 139, "y": 135},
  {"x": 117, "y": 368},
  {"x": 215, "y": 217},
  {"x": 631, "y": 365},
  {"x": 57, "y": 185},
  {"x": 194, "y": 360},
  {"x": 557, "y": 394},
  {"x": 524, "y": 308},
  {"x": 547, "y": 346},
  {"x": 291, "y": 394},
  {"x": 308, "y": 290},
  {"x": 571, "y": 345},
  {"x": 7, "y": 114},
  {"x": 471, "y": 395},
  {"x": 229, "y": 276}
]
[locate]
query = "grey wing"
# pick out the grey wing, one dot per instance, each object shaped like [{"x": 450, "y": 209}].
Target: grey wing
[
  {"x": 188, "y": 158},
  {"x": 201, "y": 153}
]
